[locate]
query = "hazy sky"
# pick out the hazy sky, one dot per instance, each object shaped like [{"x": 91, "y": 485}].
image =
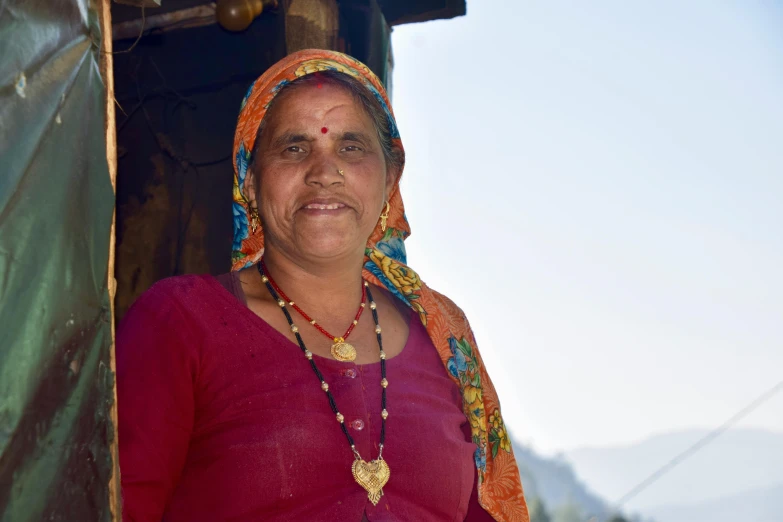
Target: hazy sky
[{"x": 599, "y": 185}]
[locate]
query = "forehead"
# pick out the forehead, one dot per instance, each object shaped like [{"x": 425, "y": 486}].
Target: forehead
[{"x": 316, "y": 104}]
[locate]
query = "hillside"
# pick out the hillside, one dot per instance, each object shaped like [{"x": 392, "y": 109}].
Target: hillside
[{"x": 554, "y": 481}]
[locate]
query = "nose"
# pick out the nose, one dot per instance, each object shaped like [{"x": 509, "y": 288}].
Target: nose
[{"x": 324, "y": 172}]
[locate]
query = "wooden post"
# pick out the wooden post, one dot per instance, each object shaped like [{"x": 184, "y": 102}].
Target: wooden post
[
  {"x": 110, "y": 133},
  {"x": 311, "y": 24}
]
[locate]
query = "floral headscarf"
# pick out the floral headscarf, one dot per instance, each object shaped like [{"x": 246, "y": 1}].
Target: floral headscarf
[{"x": 499, "y": 486}]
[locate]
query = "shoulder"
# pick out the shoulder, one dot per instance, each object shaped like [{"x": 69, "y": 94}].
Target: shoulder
[
  {"x": 176, "y": 311},
  {"x": 445, "y": 305},
  {"x": 163, "y": 333},
  {"x": 185, "y": 297},
  {"x": 182, "y": 288},
  {"x": 185, "y": 291}
]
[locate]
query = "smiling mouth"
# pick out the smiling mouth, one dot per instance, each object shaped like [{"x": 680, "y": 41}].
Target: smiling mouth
[{"x": 319, "y": 206}]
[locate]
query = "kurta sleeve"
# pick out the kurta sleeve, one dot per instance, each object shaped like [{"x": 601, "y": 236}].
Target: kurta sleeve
[{"x": 157, "y": 365}]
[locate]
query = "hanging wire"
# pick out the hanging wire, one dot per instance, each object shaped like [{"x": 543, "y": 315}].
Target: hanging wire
[
  {"x": 138, "y": 38},
  {"x": 653, "y": 477}
]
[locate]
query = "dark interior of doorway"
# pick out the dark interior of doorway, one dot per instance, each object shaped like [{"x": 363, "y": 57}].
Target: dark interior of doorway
[{"x": 178, "y": 94}]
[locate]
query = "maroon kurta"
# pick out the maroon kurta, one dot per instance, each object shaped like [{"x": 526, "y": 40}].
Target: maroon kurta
[{"x": 221, "y": 418}]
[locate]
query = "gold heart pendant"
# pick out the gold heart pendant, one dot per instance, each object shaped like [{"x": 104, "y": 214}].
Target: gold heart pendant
[
  {"x": 343, "y": 351},
  {"x": 372, "y": 476}
]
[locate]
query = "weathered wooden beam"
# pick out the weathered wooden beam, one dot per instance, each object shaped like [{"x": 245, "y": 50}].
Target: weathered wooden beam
[
  {"x": 182, "y": 19},
  {"x": 140, "y": 3},
  {"x": 311, "y": 24}
]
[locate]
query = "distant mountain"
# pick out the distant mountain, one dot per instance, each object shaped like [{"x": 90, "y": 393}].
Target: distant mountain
[
  {"x": 554, "y": 482},
  {"x": 759, "y": 505},
  {"x": 738, "y": 461}
]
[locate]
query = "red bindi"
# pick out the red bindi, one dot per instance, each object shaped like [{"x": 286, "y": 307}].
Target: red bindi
[
  {"x": 324, "y": 130},
  {"x": 320, "y": 85}
]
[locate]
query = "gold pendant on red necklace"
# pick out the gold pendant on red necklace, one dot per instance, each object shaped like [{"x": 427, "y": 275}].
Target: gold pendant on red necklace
[{"x": 341, "y": 350}]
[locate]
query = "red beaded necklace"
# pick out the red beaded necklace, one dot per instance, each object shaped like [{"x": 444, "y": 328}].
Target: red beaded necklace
[{"x": 341, "y": 350}]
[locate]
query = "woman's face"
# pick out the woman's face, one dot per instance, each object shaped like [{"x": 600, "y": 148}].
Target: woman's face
[{"x": 308, "y": 209}]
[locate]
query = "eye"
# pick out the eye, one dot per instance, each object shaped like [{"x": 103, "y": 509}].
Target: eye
[
  {"x": 352, "y": 148},
  {"x": 294, "y": 148}
]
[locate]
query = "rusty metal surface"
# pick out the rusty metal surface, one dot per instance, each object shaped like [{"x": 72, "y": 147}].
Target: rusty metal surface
[{"x": 56, "y": 202}]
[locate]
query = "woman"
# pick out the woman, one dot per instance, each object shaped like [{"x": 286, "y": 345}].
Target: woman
[{"x": 269, "y": 393}]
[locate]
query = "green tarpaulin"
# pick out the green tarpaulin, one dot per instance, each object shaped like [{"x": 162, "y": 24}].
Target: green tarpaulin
[{"x": 56, "y": 204}]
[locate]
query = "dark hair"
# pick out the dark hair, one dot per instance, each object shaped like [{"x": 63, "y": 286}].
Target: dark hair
[{"x": 394, "y": 156}]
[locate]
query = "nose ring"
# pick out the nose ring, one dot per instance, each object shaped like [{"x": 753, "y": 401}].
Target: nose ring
[{"x": 340, "y": 172}]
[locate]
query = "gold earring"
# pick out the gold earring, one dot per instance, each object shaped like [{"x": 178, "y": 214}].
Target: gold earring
[
  {"x": 254, "y": 219},
  {"x": 384, "y": 217},
  {"x": 340, "y": 172}
]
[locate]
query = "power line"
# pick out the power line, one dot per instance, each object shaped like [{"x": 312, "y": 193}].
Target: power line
[{"x": 698, "y": 445}]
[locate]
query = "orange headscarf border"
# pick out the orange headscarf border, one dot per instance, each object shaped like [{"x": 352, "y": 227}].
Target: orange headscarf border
[{"x": 499, "y": 485}]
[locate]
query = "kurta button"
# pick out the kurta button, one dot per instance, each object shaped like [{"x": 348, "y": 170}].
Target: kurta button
[
  {"x": 349, "y": 372},
  {"x": 357, "y": 424}
]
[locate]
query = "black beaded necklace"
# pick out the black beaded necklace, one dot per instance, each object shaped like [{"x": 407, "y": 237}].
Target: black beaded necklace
[{"x": 373, "y": 475}]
